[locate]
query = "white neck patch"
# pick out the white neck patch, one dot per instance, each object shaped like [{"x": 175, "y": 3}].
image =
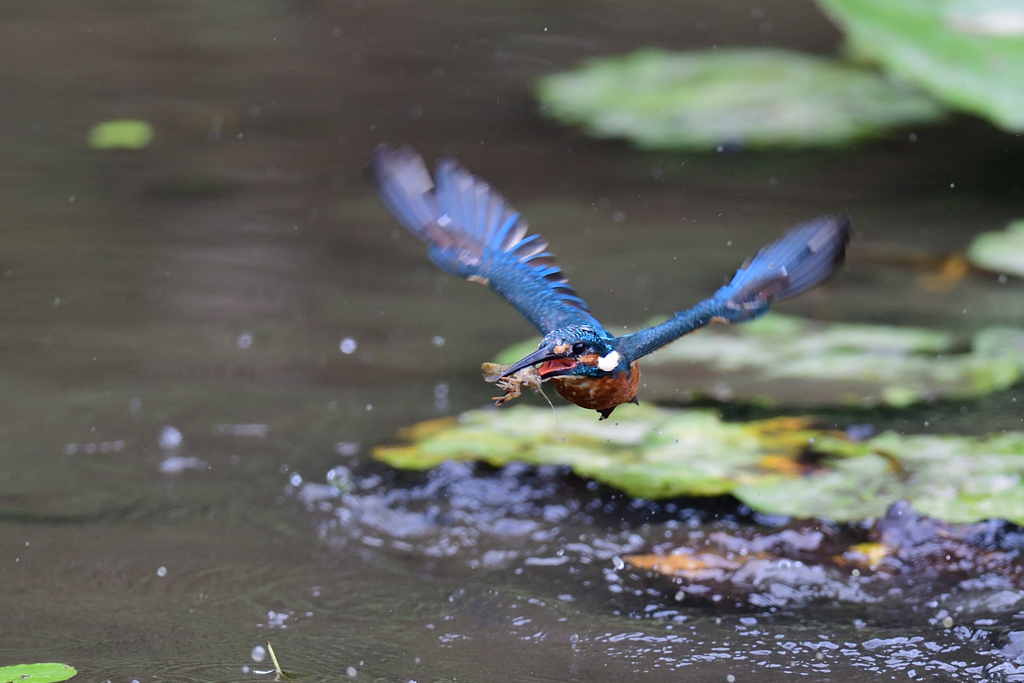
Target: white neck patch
[{"x": 609, "y": 362}]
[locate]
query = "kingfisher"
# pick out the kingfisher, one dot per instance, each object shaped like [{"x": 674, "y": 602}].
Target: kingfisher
[{"x": 471, "y": 231}]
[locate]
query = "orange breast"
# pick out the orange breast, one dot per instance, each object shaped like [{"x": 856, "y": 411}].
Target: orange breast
[{"x": 602, "y": 393}]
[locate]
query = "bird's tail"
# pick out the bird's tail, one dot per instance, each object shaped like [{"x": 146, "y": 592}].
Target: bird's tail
[{"x": 799, "y": 260}]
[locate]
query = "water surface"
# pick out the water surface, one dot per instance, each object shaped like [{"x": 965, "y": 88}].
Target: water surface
[{"x": 209, "y": 281}]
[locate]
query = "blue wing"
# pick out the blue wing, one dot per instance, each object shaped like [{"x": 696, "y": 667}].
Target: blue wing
[
  {"x": 802, "y": 258},
  {"x": 471, "y": 231}
]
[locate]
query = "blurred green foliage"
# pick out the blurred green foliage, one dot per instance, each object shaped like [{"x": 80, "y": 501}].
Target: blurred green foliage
[
  {"x": 967, "y": 53},
  {"x": 1002, "y": 252},
  {"x": 752, "y": 98}
]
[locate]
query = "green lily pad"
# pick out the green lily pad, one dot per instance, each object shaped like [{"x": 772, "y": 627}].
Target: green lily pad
[
  {"x": 783, "y": 360},
  {"x": 36, "y": 673},
  {"x": 799, "y": 362},
  {"x": 122, "y": 133},
  {"x": 777, "y": 466},
  {"x": 1002, "y": 252},
  {"x": 953, "y": 478},
  {"x": 967, "y": 53},
  {"x": 756, "y": 98},
  {"x": 655, "y": 453}
]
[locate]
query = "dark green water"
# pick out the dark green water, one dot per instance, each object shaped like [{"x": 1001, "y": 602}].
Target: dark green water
[{"x": 207, "y": 283}]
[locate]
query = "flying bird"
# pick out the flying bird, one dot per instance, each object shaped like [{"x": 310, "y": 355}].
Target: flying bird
[{"x": 472, "y": 232}]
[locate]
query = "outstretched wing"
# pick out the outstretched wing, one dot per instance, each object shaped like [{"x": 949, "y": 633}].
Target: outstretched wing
[
  {"x": 802, "y": 258},
  {"x": 471, "y": 231}
]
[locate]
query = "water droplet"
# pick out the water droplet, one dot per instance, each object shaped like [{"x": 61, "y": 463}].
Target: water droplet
[
  {"x": 346, "y": 448},
  {"x": 348, "y": 345},
  {"x": 170, "y": 438}
]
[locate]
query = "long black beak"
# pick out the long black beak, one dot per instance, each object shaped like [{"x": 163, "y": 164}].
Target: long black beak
[{"x": 539, "y": 356}]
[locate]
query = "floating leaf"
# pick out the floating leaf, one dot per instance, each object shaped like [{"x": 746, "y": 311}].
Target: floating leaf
[
  {"x": 696, "y": 566},
  {"x": 867, "y": 556},
  {"x": 1002, "y": 252},
  {"x": 123, "y": 133},
  {"x": 778, "y": 466},
  {"x": 756, "y": 98},
  {"x": 36, "y": 673},
  {"x": 654, "y": 454},
  {"x": 954, "y": 478},
  {"x": 791, "y": 361},
  {"x": 968, "y": 53}
]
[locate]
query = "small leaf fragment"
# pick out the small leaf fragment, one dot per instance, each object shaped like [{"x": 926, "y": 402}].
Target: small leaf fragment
[{"x": 121, "y": 133}]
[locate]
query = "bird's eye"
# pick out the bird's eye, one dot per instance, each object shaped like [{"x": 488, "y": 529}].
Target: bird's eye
[{"x": 579, "y": 347}]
